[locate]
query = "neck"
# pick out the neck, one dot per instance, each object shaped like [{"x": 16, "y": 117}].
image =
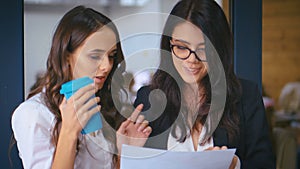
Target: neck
[
  {"x": 193, "y": 97},
  {"x": 195, "y": 133},
  {"x": 193, "y": 92}
]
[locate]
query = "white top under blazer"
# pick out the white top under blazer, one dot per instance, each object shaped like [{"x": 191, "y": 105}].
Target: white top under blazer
[{"x": 188, "y": 146}]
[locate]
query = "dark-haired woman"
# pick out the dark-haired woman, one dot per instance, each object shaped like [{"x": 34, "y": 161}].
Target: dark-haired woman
[{"x": 195, "y": 102}]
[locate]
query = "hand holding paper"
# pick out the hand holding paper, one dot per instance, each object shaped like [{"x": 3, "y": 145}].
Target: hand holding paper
[{"x": 147, "y": 158}]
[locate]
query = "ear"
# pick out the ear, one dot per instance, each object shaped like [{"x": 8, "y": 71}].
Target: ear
[{"x": 69, "y": 60}]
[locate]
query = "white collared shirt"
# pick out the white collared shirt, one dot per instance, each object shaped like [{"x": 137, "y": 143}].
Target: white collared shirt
[
  {"x": 33, "y": 123},
  {"x": 188, "y": 145}
]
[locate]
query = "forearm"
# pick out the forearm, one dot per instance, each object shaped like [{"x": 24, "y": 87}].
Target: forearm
[{"x": 65, "y": 152}]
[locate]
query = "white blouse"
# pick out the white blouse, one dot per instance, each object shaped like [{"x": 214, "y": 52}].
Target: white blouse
[
  {"x": 33, "y": 123},
  {"x": 187, "y": 145}
]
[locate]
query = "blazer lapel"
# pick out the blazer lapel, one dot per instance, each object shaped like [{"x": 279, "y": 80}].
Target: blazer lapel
[
  {"x": 220, "y": 137},
  {"x": 159, "y": 141}
]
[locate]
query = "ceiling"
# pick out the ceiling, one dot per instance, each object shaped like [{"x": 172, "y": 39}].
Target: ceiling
[{"x": 96, "y": 2}]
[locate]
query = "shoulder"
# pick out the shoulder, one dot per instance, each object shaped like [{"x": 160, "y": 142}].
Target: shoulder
[
  {"x": 32, "y": 124},
  {"x": 33, "y": 108},
  {"x": 144, "y": 90},
  {"x": 143, "y": 97},
  {"x": 31, "y": 113},
  {"x": 248, "y": 86},
  {"x": 251, "y": 98},
  {"x": 253, "y": 129},
  {"x": 250, "y": 91}
]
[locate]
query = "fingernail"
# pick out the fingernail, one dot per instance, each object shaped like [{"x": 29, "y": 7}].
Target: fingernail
[{"x": 141, "y": 106}]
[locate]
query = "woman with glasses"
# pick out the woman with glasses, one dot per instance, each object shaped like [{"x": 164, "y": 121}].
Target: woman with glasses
[{"x": 195, "y": 102}]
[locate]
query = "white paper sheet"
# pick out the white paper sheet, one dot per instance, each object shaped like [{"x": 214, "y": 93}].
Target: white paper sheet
[{"x": 147, "y": 158}]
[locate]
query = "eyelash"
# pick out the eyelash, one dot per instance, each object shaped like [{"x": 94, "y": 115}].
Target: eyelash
[
  {"x": 183, "y": 48},
  {"x": 97, "y": 57},
  {"x": 113, "y": 55}
]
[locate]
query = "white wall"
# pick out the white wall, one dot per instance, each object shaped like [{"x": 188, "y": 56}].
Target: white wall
[
  {"x": 219, "y": 2},
  {"x": 40, "y": 22},
  {"x": 139, "y": 31},
  {"x": 39, "y": 26},
  {"x": 38, "y": 30}
]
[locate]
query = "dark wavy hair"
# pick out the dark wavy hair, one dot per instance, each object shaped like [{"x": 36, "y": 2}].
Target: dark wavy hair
[
  {"x": 71, "y": 32},
  {"x": 209, "y": 17}
]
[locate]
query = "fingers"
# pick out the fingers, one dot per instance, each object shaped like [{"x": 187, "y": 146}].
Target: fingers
[
  {"x": 209, "y": 149},
  {"x": 132, "y": 118},
  {"x": 89, "y": 104},
  {"x": 80, "y": 98},
  {"x": 85, "y": 110},
  {"x": 147, "y": 130},
  {"x": 135, "y": 124},
  {"x": 224, "y": 148},
  {"x": 63, "y": 103},
  {"x": 216, "y": 148},
  {"x": 82, "y": 91},
  {"x": 142, "y": 125},
  {"x": 85, "y": 115},
  {"x": 139, "y": 120},
  {"x": 122, "y": 128},
  {"x": 136, "y": 113},
  {"x": 233, "y": 162}
]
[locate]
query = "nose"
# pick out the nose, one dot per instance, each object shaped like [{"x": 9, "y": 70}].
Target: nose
[
  {"x": 192, "y": 58},
  {"x": 104, "y": 64}
]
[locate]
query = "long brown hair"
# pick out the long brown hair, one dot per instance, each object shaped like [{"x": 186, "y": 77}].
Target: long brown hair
[
  {"x": 71, "y": 32},
  {"x": 209, "y": 17}
]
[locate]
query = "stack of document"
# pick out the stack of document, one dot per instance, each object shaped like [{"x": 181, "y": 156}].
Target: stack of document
[{"x": 147, "y": 158}]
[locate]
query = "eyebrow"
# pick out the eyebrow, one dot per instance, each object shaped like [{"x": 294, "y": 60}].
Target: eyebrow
[
  {"x": 100, "y": 50},
  {"x": 186, "y": 42},
  {"x": 97, "y": 51}
]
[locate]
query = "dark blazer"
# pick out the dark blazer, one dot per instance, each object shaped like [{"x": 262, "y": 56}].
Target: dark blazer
[{"x": 253, "y": 146}]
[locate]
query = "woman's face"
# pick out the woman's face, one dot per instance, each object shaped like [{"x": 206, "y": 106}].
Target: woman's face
[
  {"x": 95, "y": 57},
  {"x": 187, "y": 35}
]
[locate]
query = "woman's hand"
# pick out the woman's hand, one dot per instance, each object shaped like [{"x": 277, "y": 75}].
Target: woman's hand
[
  {"x": 134, "y": 131},
  {"x": 234, "y": 160},
  {"x": 75, "y": 113},
  {"x": 77, "y": 110}
]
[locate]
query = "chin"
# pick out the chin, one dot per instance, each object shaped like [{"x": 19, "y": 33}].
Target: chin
[
  {"x": 99, "y": 87},
  {"x": 190, "y": 81}
]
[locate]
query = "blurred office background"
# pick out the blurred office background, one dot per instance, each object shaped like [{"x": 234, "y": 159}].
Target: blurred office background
[
  {"x": 140, "y": 23},
  {"x": 280, "y": 53}
]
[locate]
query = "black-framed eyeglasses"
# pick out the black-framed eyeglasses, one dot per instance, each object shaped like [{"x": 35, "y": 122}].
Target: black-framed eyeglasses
[{"x": 183, "y": 52}]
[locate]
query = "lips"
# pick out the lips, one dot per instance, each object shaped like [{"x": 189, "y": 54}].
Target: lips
[
  {"x": 99, "y": 79},
  {"x": 192, "y": 70}
]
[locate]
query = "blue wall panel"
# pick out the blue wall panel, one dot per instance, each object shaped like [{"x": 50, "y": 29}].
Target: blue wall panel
[{"x": 11, "y": 74}]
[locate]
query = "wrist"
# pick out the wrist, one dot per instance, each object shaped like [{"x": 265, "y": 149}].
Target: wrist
[{"x": 71, "y": 135}]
